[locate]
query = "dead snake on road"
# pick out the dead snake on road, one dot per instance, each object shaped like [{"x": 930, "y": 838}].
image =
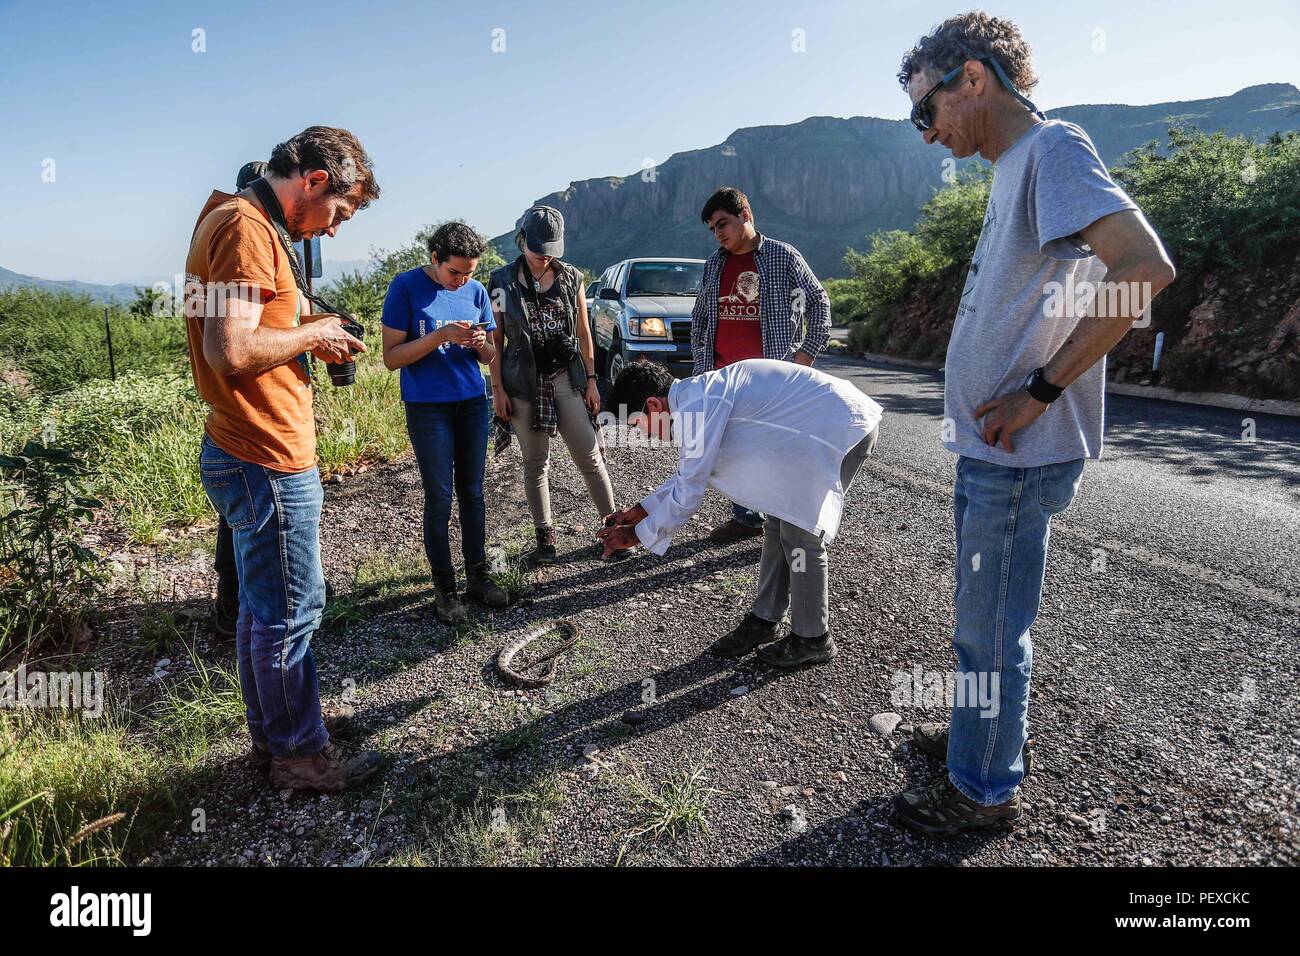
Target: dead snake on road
[{"x": 507, "y": 654}]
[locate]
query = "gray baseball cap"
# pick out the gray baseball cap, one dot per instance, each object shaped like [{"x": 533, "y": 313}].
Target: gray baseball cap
[{"x": 543, "y": 229}]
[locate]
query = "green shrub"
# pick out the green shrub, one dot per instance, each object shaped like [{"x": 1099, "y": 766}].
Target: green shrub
[
  {"x": 1216, "y": 199},
  {"x": 58, "y": 340},
  {"x": 47, "y": 579}
]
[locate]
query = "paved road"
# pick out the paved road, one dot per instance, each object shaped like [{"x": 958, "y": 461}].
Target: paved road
[{"x": 1177, "y": 486}]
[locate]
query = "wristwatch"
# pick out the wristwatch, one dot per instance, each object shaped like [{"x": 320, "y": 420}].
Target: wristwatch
[{"x": 1040, "y": 389}]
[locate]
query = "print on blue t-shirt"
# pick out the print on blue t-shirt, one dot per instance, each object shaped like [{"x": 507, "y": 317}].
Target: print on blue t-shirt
[{"x": 418, "y": 306}]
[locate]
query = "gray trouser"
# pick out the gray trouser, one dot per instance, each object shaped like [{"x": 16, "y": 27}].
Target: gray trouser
[
  {"x": 575, "y": 428},
  {"x": 792, "y": 573}
]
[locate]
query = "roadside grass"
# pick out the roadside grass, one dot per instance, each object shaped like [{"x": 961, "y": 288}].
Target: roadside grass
[
  {"x": 377, "y": 578},
  {"x": 198, "y": 711},
  {"x": 663, "y": 809},
  {"x": 465, "y": 824},
  {"x": 72, "y": 788},
  {"x": 78, "y": 790},
  {"x": 364, "y": 421}
]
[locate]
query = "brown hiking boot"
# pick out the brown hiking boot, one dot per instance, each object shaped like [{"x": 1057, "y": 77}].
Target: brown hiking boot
[
  {"x": 329, "y": 771},
  {"x": 482, "y": 588},
  {"x": 944, "y": 810},
  {"x": 932, "y": 739},
  {"x": 545, "y": 552},
  {"x": 336, "y": 717},
  {"x": 733, "y": 530}
]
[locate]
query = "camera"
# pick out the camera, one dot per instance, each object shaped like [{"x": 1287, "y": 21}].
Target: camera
[{"x": 345, "y": 373}]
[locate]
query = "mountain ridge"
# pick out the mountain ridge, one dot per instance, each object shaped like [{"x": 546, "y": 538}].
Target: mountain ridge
[{"x": 826, "y": 183}]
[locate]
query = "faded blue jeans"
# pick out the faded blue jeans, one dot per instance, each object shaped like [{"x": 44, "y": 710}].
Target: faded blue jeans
[
  {"x": 274, "y": 518},
  {"x": 1003, "y": 520}
]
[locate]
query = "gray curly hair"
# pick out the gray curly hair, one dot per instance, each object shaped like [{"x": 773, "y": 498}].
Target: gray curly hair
[{"x": 972, "y": 36}]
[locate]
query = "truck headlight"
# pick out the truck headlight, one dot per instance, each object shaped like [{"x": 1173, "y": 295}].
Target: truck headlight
[{"x": 647, "y": 327}]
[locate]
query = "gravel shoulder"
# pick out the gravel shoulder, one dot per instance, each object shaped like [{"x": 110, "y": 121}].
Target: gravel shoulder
[{"x": 1164, "y": 707}]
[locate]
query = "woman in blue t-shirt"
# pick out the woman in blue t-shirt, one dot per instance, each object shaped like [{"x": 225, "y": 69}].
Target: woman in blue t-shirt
[{"x": 436, "y": 324}]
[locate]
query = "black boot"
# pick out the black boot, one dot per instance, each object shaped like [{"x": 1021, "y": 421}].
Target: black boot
[
  {"x": 449, "y": 608},
  {"x": 795, "y": 651},
  {"x": 482, "y": 588},
  {"x": 750, "y": 633},
  {"x": 544, "y": 553}
]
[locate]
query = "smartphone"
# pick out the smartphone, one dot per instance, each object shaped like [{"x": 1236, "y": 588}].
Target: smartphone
[{"x": 480, "y": 325}]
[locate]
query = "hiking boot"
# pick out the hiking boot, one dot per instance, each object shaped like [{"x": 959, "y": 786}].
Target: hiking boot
[
  {"x": 329, "y": 771},
  {"x": 336, "y": 717},
  {"x": 932, "y": 739},
  {"x": 733, "y": 530},
  {"x": 448, "y": 607},
  {"x": 544, "y": 553},
  {"x": 944, "y": 810},
  {"x": 745, "y": 636},
  {"x": 482, "y": 588},
  {"x": 795, "y": 651}
]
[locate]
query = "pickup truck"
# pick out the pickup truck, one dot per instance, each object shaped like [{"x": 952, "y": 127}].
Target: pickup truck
[{"x": 642, "y": 310}]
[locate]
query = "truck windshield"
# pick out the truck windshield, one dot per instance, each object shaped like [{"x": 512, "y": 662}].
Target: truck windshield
[{"x": 664, "y": 278}]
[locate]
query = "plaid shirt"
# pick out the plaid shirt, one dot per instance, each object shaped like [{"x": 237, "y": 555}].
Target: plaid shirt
[{"x": 789, "y": 293}]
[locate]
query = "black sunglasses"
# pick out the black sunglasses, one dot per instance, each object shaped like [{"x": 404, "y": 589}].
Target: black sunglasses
[{"x": 923, "y": 116}]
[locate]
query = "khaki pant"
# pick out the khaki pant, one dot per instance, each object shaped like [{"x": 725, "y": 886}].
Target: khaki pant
[
  {"x": 575, "y": 428},
  {"x": 792, "y": 572}
]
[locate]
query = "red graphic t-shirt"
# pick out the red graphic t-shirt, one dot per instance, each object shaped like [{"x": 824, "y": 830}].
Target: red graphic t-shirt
[{"x": 740, "y": 329}]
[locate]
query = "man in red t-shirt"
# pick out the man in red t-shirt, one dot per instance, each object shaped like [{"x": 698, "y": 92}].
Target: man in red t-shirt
[{"x": 768, "y": 305}]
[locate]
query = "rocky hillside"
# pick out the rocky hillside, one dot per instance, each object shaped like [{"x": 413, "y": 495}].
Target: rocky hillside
[
  {"x": 1226, "y": 330},
  {"x": 825, "y": 184}
]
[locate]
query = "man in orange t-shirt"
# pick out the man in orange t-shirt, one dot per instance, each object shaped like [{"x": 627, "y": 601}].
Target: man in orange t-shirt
[{"x": 258, "y": 459}]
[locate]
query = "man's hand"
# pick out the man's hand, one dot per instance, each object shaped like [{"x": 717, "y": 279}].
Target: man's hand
[
  {"x": 1006, "y": 416},
  {"x": 633, "y": 515},
  {"x": 803, "y": 358},
  {"x": 617, "y": 538},
  {"x": 333, "y": 343}
]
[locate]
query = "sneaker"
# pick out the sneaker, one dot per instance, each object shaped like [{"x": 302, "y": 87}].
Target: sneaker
[
  {"x": 733, "y": 530},
  {"x": 751, "y": 632},
  {"x": 329, "y": 771},
  {"x": 337, "y": 718},
  {"x": 482, "y": 588},
  {"x": 448, "y": 607},
  {"x": 944, "y": 810},
  {"x": 795, "y": 651},
  {"x": 544, "y": 553},
  {"x": 932, "y": 739}
]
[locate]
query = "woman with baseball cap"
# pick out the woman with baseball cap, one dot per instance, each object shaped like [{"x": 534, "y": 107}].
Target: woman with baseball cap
[{"x": 543, "y": 381}]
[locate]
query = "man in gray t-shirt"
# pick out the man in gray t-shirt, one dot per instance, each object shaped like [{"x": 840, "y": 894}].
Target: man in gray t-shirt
[{"x": 1064, "y": 265}]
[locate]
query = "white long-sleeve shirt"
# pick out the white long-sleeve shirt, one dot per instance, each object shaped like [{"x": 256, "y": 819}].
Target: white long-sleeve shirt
[{"x": 770, "y": 436}]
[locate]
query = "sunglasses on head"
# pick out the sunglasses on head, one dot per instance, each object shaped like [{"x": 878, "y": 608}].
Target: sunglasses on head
[{"x": 923, "y": 115}]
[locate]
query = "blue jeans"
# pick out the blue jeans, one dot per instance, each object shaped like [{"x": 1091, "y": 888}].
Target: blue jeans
[
  {"x": 750, "y": 519},
  {"x": 274, "y": 518},
  {"x": 1003, "y": 520},
  {"x": 450, "y": 442}
]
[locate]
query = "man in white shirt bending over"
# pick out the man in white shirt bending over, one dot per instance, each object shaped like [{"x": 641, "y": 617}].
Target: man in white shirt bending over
[{"x": 776, "y": 437}]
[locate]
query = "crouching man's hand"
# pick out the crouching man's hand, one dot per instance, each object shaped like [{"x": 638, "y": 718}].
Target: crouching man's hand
[
  {"x": 617, "y": 538},
  {"x": 631, "y": 515}
]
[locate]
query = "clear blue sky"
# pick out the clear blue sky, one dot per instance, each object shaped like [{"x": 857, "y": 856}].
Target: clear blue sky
[{"x": 141, "y": 128}]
